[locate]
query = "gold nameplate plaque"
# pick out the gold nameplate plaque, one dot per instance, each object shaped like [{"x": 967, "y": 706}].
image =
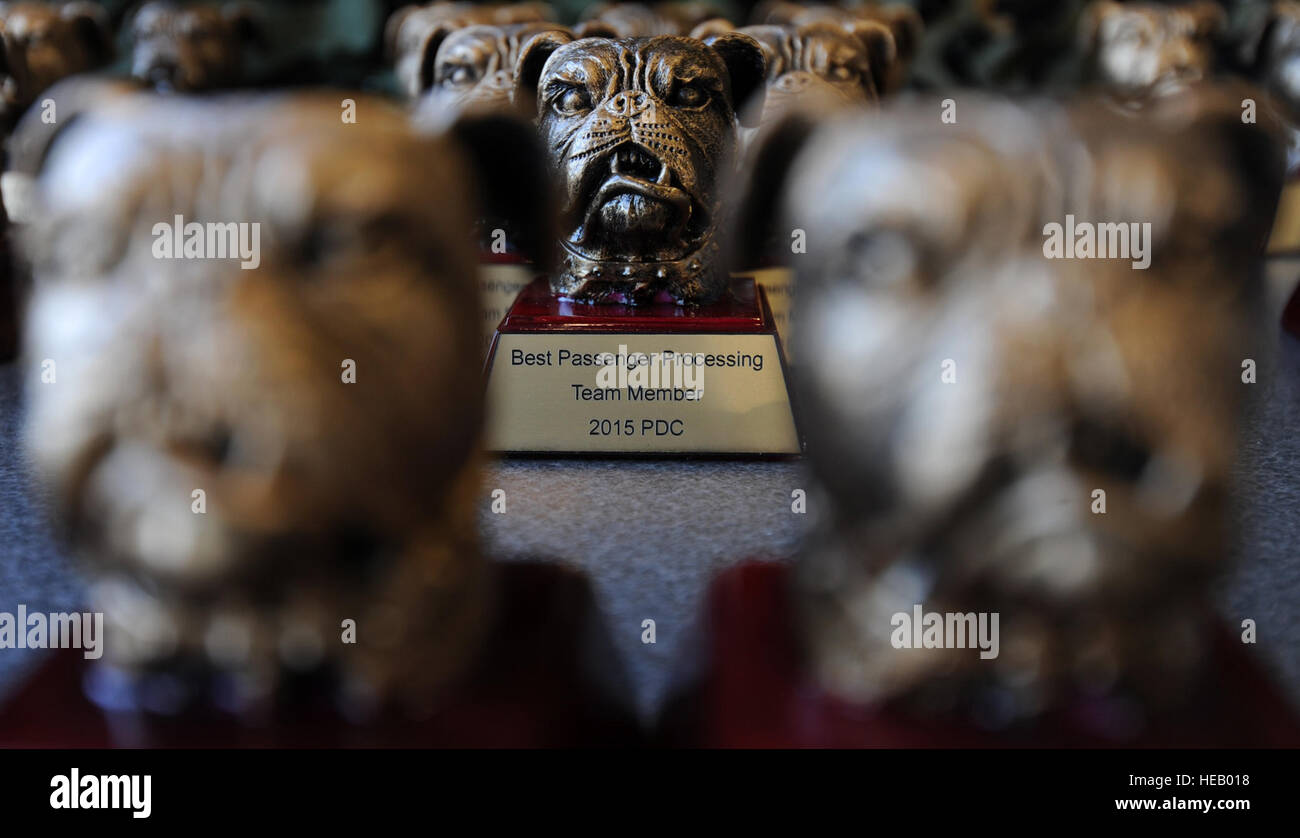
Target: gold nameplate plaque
[{"x": 662, "y": 379}]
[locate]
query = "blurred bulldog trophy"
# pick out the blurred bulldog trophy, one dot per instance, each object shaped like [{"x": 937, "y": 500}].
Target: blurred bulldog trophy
[
  {"x": 277, "y": 525},
  {"x": 1139, "y": 52},
  {"x": 609, "y": 353},
  {"x": 1023, "y": 456},
  {"x": 191, "y": 48},
  {"x": 819, "y": 61}
]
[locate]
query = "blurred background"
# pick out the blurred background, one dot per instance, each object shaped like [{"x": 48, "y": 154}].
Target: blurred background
[{"x": 651, "y": 535}]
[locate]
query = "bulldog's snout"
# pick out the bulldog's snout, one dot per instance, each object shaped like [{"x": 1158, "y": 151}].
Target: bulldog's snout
[
  {"x": 628, "y": 104},
  {"x": 158, "y": 67},
  {"x": 161, "y": 73}
]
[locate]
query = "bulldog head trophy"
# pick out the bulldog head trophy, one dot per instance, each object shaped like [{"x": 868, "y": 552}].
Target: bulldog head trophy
[
  {"x": 236, "y": 604},
  {"x": 639, "y": 131},
  {"x": 989, "y": 495}
]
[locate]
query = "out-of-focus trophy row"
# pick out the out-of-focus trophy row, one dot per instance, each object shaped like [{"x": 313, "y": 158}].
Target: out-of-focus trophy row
[{"x": 1002, "y": 260}]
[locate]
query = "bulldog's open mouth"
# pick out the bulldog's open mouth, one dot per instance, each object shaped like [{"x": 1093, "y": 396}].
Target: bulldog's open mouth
[{"x": 640, "y": 195}]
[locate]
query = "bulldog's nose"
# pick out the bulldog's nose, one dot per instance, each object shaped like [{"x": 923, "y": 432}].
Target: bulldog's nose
[
  {"x": 628, "y": 103},
  {"x": 796, "y": 82}
]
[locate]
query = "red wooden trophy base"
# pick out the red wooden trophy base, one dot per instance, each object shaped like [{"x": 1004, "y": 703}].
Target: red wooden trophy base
[
  {"x": 528, "y": 691},
  {"x": 536, "y": 309},
  {"x": 756, "y": 694}
]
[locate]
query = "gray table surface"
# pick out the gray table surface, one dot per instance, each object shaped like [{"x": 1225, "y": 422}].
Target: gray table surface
[{"x": 650, "y": 534}]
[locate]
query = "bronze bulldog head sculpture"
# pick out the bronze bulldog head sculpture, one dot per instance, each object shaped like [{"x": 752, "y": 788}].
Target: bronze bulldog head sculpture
[
  {"x": 413, "y": 34},
  {"x": 639, "y": 132},
  {"x": 250, "y": 447},
  {"x": 474, "y": 67},
  {"x": 822, "y": 64},
  {"x": 1045, "y": 440},
  {"x": 903, "y": 22},
  {"x": 43, "y": 43},
  {"x": 191, "y": 47},
  {"x": 1139, "y": 51}
]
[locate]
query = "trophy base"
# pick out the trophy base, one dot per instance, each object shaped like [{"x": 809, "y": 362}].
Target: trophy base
[
  {"x": 528, "y": 690},
  {"x": 756, "y": 693},
  {"x": 661, "y": 379}
]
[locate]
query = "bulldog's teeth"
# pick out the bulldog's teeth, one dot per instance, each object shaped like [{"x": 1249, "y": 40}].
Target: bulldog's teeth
[{"x": 664, "y": 175}]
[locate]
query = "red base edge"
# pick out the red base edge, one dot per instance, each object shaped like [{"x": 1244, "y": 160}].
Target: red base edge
[
  {"x": 756, "y": 694},
  {"x": 529, "y": 691}
]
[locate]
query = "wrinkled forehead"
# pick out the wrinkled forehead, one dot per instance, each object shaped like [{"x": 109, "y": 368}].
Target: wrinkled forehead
[
  {"x": 476, "y": 40},
  {"x": 634, "y": 61},
  {"x": 813, "y": 44},
  {"x": 827, "y": 43},
  {"x": 1165, "y": 23}
]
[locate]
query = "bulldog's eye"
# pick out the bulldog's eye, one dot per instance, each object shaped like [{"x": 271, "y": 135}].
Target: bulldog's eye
[
  {"x": 690, "y": 96},
  {"x": 843, "y": 72},
  {"x": 459, "y": 76},
  {"x": 573, "y": 100}
]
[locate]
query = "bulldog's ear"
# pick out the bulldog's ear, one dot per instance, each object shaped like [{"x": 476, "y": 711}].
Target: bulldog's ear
[
  {"x": 712, "y": 26},
  {"x": 908, "y": 29},
  {"x": 759, "y": 188},
  {"x": 93, "y": 28},
  {"x": 1253, "y": 154},
  {"x": 747, "y": 67},
  {"x": 1209, "y": 16},
  {"x": 528, "y": 68},
  {"x": 881, "y": 52},
  {"x": 393, "y": 29},
  {"x": 29, "y": 145},
  {"x": 513, "y": 182},
  {"x": 429, "y": 57}
]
